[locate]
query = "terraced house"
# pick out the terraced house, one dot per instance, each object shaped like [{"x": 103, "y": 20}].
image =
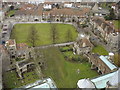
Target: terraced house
[
  {"x": 107, "y": 31},
  {"x": 29, "y": 12},
  {"x": 19, "y": 51},
  {"x": 66, "y": 14},
  {"x": 32, "y": 12}
]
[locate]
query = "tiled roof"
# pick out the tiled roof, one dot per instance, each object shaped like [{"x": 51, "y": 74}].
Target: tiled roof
[
  {"x": 68, "y": 11},
  {"x": 30, "y": 10},
  {"x": 11, "y": 42},
  {"x": 22, "y": 46},
  {"x": 86, "y": 41}
]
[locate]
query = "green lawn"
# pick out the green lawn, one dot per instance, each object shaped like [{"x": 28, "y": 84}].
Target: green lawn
[
  {"x": 11, "y": 12},
  {"x": 20, "y": 33},
  {"x": 117, "y": 24},
  {"x": 11, "y": 80},
  {"x": 100, "y": 50},
  {"x": 63, "y": 72}
]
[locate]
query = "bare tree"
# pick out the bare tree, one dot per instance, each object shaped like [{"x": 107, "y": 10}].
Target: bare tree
[
  {"x": 63, "y": 18},
  {"x": 69, "y": 36},
  {"x": 14, "y": 35},
  {"x": 33, "y": 36},
  {"x": 54, "y": 33}
]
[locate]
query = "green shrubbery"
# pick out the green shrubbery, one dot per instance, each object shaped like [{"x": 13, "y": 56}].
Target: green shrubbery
[
  {"x": 67, "y": 48},
  {"x": 68, "y": 55}
]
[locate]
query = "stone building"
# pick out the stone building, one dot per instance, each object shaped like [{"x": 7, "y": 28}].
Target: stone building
[
  {"x": 82, "y": 45},
  {"x": 23, "y": 66},
  {"x": 98, "y": 11},
  {"x": 101, "y": 64},
  {"x": 66, "y": 14},
  {"x": 1, "y": 58},
  {"x": 106, "y": 31},
  {"x": 113, "y": 41},
  {"x": 11, "y": 48},
  {"x": 22, "y": 51},
  {"x": 19, "y": 51},
  {"x": 99, "y": 24},
  {"x": 29, "y": 12}
]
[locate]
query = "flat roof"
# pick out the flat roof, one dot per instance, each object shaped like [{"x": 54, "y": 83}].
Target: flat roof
[
  {"x": 108, "y": 63},
  {"x": 101, "y": 81},
  {"x": 45, "y": 83}
]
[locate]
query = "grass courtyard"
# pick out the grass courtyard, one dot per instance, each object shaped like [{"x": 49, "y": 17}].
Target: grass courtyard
[
  {"x": 20, "y": 33},
  {"x": 117, "y": 24},
  {"x": 100, "y": 50},
  {"x": 65, "y": 73},
  {"x": 11, "y": 12},
  {"x": 11, "y": 80}
]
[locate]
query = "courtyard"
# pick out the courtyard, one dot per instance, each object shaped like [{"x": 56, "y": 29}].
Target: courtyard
[
  {"x": 100, "y": 50},
  {"x": 20, "y": 33},
  {"x": 12, "y": 80},
  {"x": 117, "y": 24},
  {"x": 65, "y": 73}
]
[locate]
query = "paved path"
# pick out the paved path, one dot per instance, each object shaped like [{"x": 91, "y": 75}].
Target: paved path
[
  {"x": 40, "y": 22},
  {"x": 55, "y": 45}
]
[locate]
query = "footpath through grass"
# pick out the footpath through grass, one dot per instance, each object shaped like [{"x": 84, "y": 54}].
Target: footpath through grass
[
  {"x": 100, "y": 50},
  {"x": 20, "y": 33},
  {"x": 65, "y": 73}
]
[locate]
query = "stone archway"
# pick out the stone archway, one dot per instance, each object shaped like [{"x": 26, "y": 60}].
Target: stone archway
[
  {"x": 57, "y": 20},
  {"x": 73, "y": 20},
  {"x": 100, "y": 71},
  {"x": 36, "y": 19},
  {"x": 97, "y": 68},
  {"x": 93, "y": 66}
]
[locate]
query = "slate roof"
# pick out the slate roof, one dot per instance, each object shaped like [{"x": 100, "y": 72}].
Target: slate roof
[
  {"x": 30, "y": 10},
  {"x": 101, "y": 21},
  {"x": 84, "y": 40}
]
